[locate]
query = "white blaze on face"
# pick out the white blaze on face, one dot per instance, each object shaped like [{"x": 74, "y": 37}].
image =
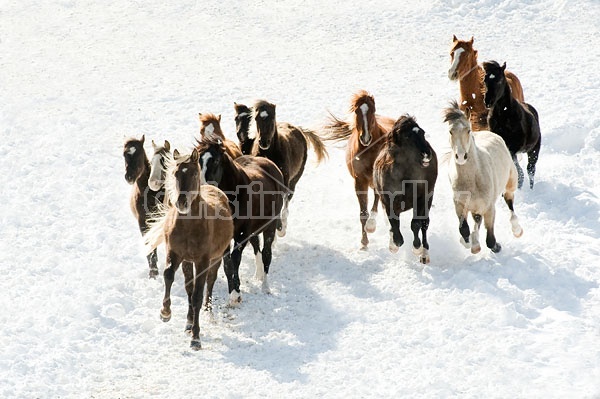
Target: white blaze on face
[
  {"x": 131, "y": 150},
  {"x": 492, "y": 76},
  {"x": 264, "y": 114},
  {"x": 457, "y": 54},
  {"x": 203, "y": 164},
  {"x": 364, "y": 108},
  {"x": 155, "y": 180},
  {"x": 243, "y": 114},
  {"x": 209, "y": 129}
]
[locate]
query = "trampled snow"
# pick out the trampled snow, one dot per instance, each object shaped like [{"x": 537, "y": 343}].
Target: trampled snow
[{"x": 81, "y": 318}]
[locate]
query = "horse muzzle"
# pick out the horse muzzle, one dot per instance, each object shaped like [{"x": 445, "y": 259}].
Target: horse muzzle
[
  {"x": 264, "y": 146},
  {"x": 129, "y": 179},
  {"x": 155, "y": 185},
  {"x": 452, "y": 75},
  {"x": 366, "y": 142}
]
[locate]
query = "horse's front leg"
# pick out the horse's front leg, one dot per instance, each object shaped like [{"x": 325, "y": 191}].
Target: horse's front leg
[
  {"x": 188, "y": 273},
  {"x": 152, "y": 257},
  {"x": 211, "y": 277},
  {"x": 268, "y": 236},
  {"x": 233, "y": 274},
  {"x": 532, "y": 158},
  {"x": 475, "y": 246},
  {"x": 360, "y": 187},
  {"x": 396, "y": 239},
  {"x": 371, "y": 223},
  {"x": 521, "y": 176},
  {"x": 463, "y": 225},
  {"x": 173, "y": 262},
  {"x": 490, "y": 239},
  {"x": 420, "y": 222},
  {"x": 202, "y": 266}
]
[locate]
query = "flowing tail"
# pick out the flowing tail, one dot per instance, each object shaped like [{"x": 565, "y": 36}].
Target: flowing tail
[
  {"x": 155, "y": 235},
  {"x": 316, "y": 142},
  {"x": 336, "y": 129}
]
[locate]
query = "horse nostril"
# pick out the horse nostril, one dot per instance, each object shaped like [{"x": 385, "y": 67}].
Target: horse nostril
[
  {"x": 465, "y": 156},
  {"x": 456, "y": 156}
]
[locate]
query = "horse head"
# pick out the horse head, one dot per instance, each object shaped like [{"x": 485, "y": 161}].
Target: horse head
[
  {"x": 463, "y": 58},
  {"x": 406, "y": 133},
  {"x": 134, "y": 155},
  {"x": 363, "y": 106},
  {"x": 495, "y": 82},
  {"x": 460, "y": 132},
  {"x": 157, "y": 165},
  {"x": 210, "y": 125},
  {"x": 211, "y": 154},
  {"x": 185, "y": 184},
  {"x": 243, "y": 117},
  {"x": 264, "y": 115}
]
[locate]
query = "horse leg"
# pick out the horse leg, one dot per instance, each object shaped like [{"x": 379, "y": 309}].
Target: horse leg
[
  {"x": 259, "y": 272},
  {"x": 463, "y": 225},
  {"x": 371, "y": 223},
  {"x": 282, "y": 224},
  {"x": 521, "y": 176},
  {"x": 421, "y": 222},
  {"x": 236, "y": 258},
  {"x": 268, "y": 236},
  {"x": 532, "y": 158},
  {"x": 514, "y": 221},
  {"x": 475, "y": 245},
  {"x": 188, "y": 273},
  {"x": 360, "y": 187},
  {"x": 490, "y": 239},
  {"x": 396, "y": 239},
  {"x": 152, "y": 257},
  {"x": 202, "y": 266},
  {"x": 211, "y": 277},
  {"x": 173, "y": 262}
]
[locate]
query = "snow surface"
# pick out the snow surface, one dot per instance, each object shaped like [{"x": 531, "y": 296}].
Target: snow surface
[{"x": 81, "y": 318}]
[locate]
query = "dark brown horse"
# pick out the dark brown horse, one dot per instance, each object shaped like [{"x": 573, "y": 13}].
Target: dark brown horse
[
  {"x": 210, "y": 126},
  {"x": 405, "y": 173},
  {"x": 243, "y": 118},
  {"x": 144, "y": 201},
  {"x": 254, "y": 187},
  {"x": 196, "y": 226},
  {"x": 286, "y": 145},
  {"x": 365, "y": 133},
  {"x": 465, "y": 69}
]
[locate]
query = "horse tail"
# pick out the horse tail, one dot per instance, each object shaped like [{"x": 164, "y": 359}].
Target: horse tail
[
  {"x": 336, "y": 129},
  {"x": 316, "y": 142},
  {"x": 155, "y": 235}
]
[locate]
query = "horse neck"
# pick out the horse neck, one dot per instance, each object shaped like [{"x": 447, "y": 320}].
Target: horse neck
[
  {"x": 142, "y": 180},
  {"x": 233, "y": 174},
  {"x": 472, "y": 83},
  {"x": 505, "y": 102}
]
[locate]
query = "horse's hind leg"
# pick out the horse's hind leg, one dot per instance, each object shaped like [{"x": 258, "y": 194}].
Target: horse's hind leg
[
  {"x": 514, "y": 221},
  {"x": 475, "y": 246},
  {"x": 211, "y": 277},
  {"x": 259, "y": 272},
  {"x": 153, "y": 264},
  {"x": 268, "y": 236},
  {"x": 361, "y": 187},
  {"x": 188, "y": 273},
  {"x": 371, "y": 223},
  {"x": 233, "y": 271},
  {"x": 532, "y": 158},
  {"x": 173, "y": 262},
  {"x": 202, "y": 266},
  {"x": 521, "y": 176},
  {"x": 490, "y": 239}
]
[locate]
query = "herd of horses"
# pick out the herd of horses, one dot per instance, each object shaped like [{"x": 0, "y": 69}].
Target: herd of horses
[{"x": 206, "y": 206}]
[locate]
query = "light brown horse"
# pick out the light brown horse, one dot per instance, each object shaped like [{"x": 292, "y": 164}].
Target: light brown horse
[
  {"x": 196, "y": 226},
  {"x": 210, "y": 127},
  {"x": 365, "y": 133},
  {"x": 465, "y": 69}
]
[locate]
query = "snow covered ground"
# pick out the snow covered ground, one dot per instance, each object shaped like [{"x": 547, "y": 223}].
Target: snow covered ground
[{"x": 81, "y": 319}]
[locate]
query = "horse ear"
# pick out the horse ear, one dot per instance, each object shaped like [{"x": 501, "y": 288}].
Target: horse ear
[
  {"x": 153, "y": 145},
  {"x": 194, "y": 156},
  {"x": 167, "y": 146},
  {"x": 475, "y": 53},
  {"x": 454, "y": 38},
  {"x": 504, "y": 66},
  {"x": 472, "y": 38},
  {"x": 219, "y": 117},
  {"x": 176, "y": 154},
  {"x": 199, "y": 115},
  {"x": 143, "y": 138}
]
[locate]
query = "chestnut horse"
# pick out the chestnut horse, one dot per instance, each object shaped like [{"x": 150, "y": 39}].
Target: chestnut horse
[
  {"x": 196, "y": 226},
  {"x": 465, "y": 69},
  {"x": 287, "y": 146},
  {"x": 144, "y": 199},
  {"x": 210, "y": 126},
  {"x": 365, "y": 133},
  {"x": 243, "y": 118},
  {"x": 404, "y": 175}
]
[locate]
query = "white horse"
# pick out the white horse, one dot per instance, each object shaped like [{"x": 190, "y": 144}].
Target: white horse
[{"x": 482, "y": 170}]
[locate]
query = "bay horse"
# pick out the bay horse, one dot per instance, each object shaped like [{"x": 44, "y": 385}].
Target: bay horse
[
  {"x": 196, "y": 226},
  {"x": 404, "y": 175},
  {"x": 210, "y": 126},
  {"x": 365, "y": 133},
  {"x": 481, "y": 170},
  {"x": 287, "y": 146},
  {"x": 243, "y": 118},
  {"x": 255, "y": 190},
  {"x": 516, "y": 122},
  {"x": 144, "y": 199},
  {"x": 465, "y": 68}
]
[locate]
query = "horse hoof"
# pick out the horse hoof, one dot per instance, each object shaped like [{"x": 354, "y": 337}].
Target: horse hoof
[
  {"x": 394, "y": 248},
  {"x": 281, "y": 233},
  {"x": 425, "y": 259},
  {"x": 496, "y": 248},
  {"x": 153, "y": 273},
  {"x": 465, "y": 243},
  {"x": 188, "y": 328},
  {"x": 195, "y": 344},
  {"x": 475, "y": 249},
  {"x": 234, "y": 298},
  {"x": 417, "y": 251},
  {"x": 518, "y": 232},
  {"x": 165, "y": 316},
  {"x": 265, "y": 287}
]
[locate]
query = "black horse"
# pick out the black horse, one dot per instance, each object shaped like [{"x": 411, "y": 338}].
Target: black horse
[
  {"x": 243, "y": 118},
  {"x": 255, "y": 190},
  {"x": 404, "y": 175},
  {"x": 517, "y": 123}
]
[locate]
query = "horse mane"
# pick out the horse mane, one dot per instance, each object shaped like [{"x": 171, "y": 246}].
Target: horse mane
[
  {"x": 263, "y": 105},
  {"x": 241, "y": 108},
  {"x": 404, "y": 123},
  {"x": 491, "y": 64},
  {"x": 454, "y": 113},
  {"x": 362, "y": 95}
]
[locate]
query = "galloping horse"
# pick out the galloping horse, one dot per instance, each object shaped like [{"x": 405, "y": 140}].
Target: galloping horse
[
  {"x": 144, "y": 199},
  {"x": 156, "y": 181},
  {"x": 254, "y": 187},
  {"x": 482, "y": 170},
  {"x": 366, "y": 136},
  {"x": 196, "y": 226},
  {"x": 469, "y": 73},
  {"x": 404, "y": 175},
  {"x": 286, "y": 145},
  {"x": 210, "y": 126},
  {"x": 243, "y": 118},
  {"x": 516, "y": 122}
]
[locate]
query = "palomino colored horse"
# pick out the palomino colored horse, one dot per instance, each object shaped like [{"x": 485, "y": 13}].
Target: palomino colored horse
[
  {"x": 243, "y": 119},
  {"x": 144, "y": 199},
  {"x": 469, "y": 73},
  {"x": 515, "y": 121},
  {"x": 196, "y": 226},
  {"x": 254, "y": 186},
  {"x": 287, "y": 146},
  {"x": 481, "y": 169},
  {"x": 210, "y": 126},
  {"x": 404, "y": 175},
  {"x": 365, "y": 133}
]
